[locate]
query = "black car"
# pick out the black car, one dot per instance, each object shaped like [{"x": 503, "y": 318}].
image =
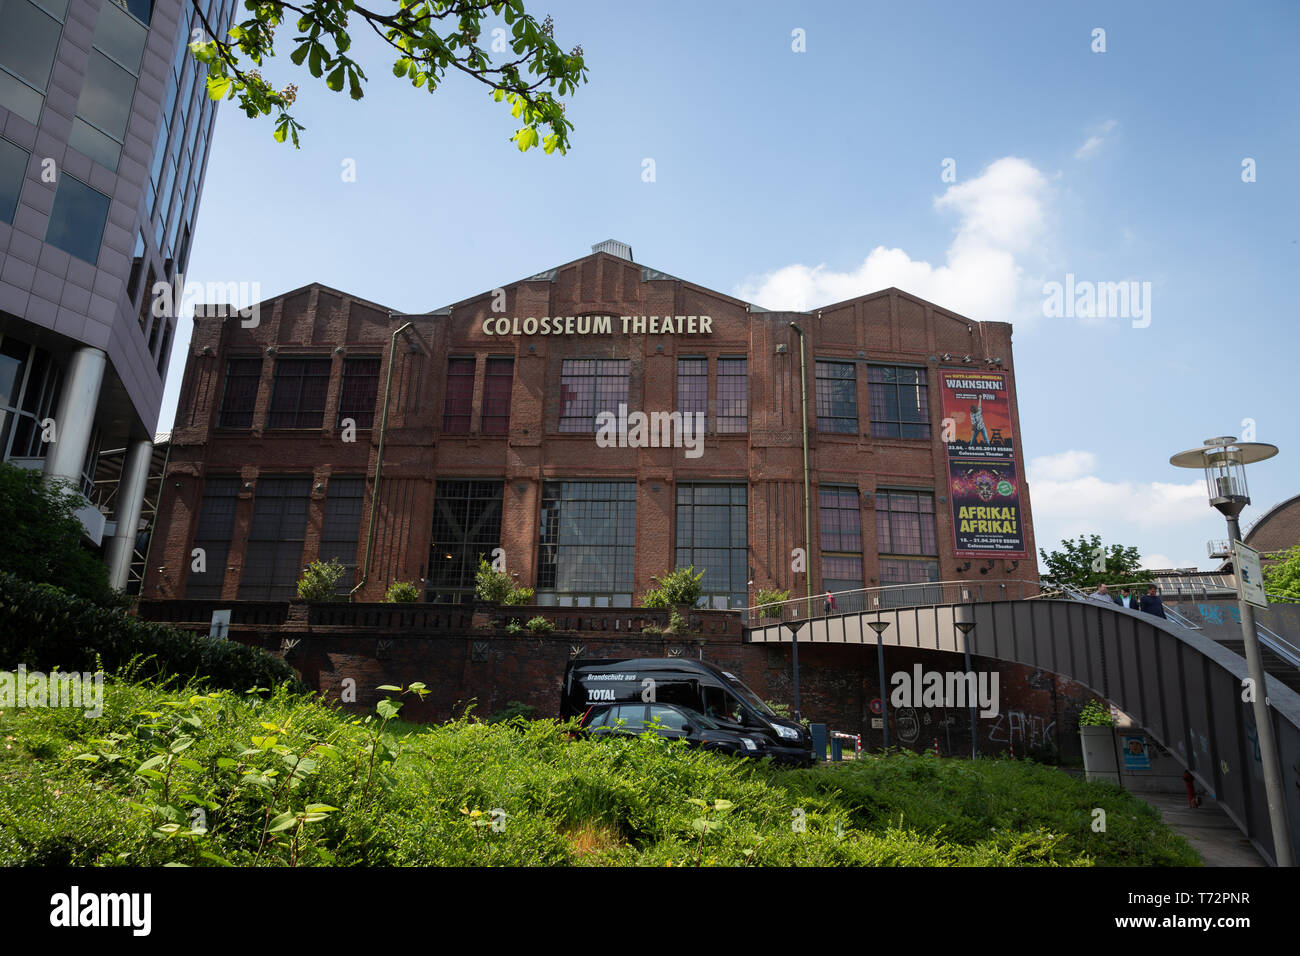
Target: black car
[
  {"x": 672, "y": 722},
  {"x": 693, "y": 685}
]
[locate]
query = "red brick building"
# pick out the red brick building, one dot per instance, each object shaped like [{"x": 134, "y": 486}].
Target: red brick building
[{"x": 512, "y": 423}]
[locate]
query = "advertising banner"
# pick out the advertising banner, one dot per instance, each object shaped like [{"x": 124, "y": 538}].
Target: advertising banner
[
  {"x": 986, "y": 516},
  {"x": 976, "y": 414}
]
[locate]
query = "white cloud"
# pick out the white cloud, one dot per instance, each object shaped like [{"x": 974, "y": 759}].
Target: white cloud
[
  {"x": 1002, "y": 218},
  {"x": 1094, "y": 142},
  {"x": 1069, "y": 498}
]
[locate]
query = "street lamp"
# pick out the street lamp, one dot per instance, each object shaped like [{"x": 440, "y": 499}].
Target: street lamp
[
  {"x": 964, "y": 621},
  {"x": 1224, "y": 462},
  {"x": 880, "y": 627}
]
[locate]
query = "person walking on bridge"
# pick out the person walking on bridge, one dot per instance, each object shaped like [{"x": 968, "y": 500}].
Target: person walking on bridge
[
  {"x": 1151, "y": 602},
  {"x": 1101, "y": 595}
]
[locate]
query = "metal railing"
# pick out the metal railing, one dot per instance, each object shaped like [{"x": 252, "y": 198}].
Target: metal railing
[
  {"x": 1279, "y": 645},
  {"x": 1171, "y": 613},
  {"x": 889, "y": 596}
]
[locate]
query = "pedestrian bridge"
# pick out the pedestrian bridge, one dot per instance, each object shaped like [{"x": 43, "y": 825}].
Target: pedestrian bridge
[{"x": 1180, "y": 686}]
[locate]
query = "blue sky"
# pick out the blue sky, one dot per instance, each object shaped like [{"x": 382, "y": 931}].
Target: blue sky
[{"x": 795, "y": 179}]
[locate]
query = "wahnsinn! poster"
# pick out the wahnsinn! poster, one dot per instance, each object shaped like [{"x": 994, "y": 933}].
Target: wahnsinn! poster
[{"x": 976, "y": 414}]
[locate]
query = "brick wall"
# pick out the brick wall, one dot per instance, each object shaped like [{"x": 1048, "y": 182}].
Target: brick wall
[
  {"x": 888, "y": 326},
  {"x": 464, "y": 659}
]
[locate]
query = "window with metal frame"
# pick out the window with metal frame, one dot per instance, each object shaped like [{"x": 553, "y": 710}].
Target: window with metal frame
[
  {"x": 273, "y": 556},
  {"x": 466, "y": 526},
  {"x": 458, "y": 403},
  {"x": 299, "y": 392},
  {"x": 587, "y": 543},
  {"x": 900, "y": 403},
  {"x": 693, "y": 387},
  {"x": 733, "y": 396},
  {"x": 840, "y": 516},
  {"x": 215, "y": 528},
  {"x": 589, "y": 387},
  {"x": 239, "y": 398},
  {"x": 344, "y": 501},
  {"x": 359, "y": 390},
  {"x": 498, "y": 381},
  {"x": 837, "y": 397},
  {"x": 713, "y": 536}
]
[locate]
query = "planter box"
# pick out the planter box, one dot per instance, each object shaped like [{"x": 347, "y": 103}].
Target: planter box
[{"x": 1100, "y": 754}]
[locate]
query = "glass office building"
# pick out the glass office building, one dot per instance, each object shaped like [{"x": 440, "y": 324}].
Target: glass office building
[{"x": 105, "y": 128}]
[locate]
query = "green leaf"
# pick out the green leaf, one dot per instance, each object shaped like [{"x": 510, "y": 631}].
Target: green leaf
[
  {"x": 335, "y": 80},
  {"x": 151, "y": 763},
  {"x": 354, "y": 85},
  {"x": 321, "y": 808},
  {"x": 300, "y": 54},
  {"x": 181, "y": 743},
  {"x": 284, "y": 821},
  {"x": 400, "y": 67},
  {"x": 218, "y": 86},
  {"x": 388, "y": 687}
]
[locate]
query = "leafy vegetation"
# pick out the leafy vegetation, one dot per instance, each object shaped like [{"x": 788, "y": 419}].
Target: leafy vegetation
[
  {"x": 540, "y": 625},
  {"x": 677, "y": 587},
  {"x": 42, "y": 535},
  {"x": 175, "y": 775},
  {"x": 402, "y": 592},
  {"x": 320, "y": 581},
  {"x": 498, "y": 587},
  {"x": 1087, "y": 562},
  {"x": 1282, "y": 579},
  {"x": 769, "y": 601},
  {"x": 44, "y": 628},
  {"x": 1096, "y": 714},
  {"x": 428, "y": 38}
]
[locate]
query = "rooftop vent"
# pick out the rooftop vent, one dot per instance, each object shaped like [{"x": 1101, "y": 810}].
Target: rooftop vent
[{"x": 614, "y": 248}]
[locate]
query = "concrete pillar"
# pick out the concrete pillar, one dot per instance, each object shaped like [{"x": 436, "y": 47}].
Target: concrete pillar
[
  {"x": 130, "y": 502},
  {"x": 75, "y": 421}
]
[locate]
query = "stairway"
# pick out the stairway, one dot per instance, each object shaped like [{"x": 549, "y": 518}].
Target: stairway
[{"x": 1273, "y": 664}]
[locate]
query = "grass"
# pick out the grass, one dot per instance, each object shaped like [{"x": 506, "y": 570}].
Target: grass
[{"x": 188, "y": 776}]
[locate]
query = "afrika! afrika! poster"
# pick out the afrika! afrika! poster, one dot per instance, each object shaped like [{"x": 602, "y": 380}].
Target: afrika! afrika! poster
[{"x": 986, "y": 512}]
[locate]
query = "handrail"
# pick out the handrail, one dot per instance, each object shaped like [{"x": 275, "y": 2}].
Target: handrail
[
  {"x": 1278, "y": 644},
  {"x": 897, "y": 595}
]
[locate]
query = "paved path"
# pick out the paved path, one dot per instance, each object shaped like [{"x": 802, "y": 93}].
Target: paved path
[{"x": 1207, "y": 828}]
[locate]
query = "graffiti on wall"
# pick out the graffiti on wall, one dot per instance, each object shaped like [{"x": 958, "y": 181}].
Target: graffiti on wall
[{"x": 1019, "y": 727}]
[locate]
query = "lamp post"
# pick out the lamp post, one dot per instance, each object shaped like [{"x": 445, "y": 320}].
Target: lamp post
[
  {"x": 807, "y": 518},
  {"x": 1224, "y": 462},
  {"x": 964, "y": 621},
  {"x": 880, "y": 627}
]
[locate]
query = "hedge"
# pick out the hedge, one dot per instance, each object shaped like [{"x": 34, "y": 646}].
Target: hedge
[{"x": 44, "y": 627}]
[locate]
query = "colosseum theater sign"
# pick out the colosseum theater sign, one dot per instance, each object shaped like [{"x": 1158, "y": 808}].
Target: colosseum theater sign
[{"x": 600, "y": 325}]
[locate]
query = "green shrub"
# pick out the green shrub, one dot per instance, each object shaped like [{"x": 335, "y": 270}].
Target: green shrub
[
  {"x": 519, "y": 596},
  {"x": 1096, "y": 714},
  {"x": 514, "y": 628},
  {"x": 41, "y": 539},
  {"x": 320, "y": 581},
  {"x": 677, "y": 587},
  {"x": 514, "y": 709},
  {"x": 287, "y": 780},
  {"x": 402, "y": 592},
  {"x": 44, "y": 628},
  {"x": 498, "y": 587},
  {"x": 769, "y": 601},
  {"x": 540, "y": 625}
]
